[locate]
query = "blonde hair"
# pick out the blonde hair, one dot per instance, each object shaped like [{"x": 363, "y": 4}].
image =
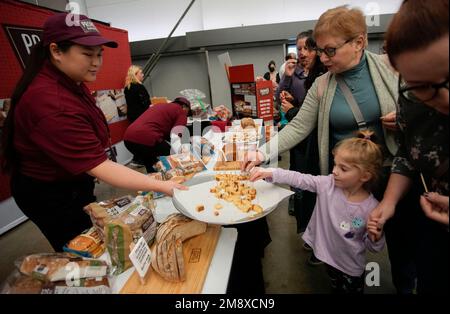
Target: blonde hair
[
  {"x": 364, "y": 154},
  {"x": 342, "y": 22},
  {"x": 131, "y": 76}
]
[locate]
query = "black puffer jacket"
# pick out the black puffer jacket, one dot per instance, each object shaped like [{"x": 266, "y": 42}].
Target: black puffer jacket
[{"x": 138, "y": 100}]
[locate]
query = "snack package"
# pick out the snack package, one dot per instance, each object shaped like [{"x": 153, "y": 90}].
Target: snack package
[
  {"x": 185, "y": 162},
  {"x": 18, "y": 283},
  {"x": 222, "y": 113},
  {"x": 87, "y": 244},
  {"x": 199, "y": 108},
  {"x": 60, "y": 266},
  {"x": 174, "y": 174}
]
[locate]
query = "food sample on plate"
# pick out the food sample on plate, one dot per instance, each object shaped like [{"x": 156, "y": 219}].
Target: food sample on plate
[{"x": 231, "y": 189}]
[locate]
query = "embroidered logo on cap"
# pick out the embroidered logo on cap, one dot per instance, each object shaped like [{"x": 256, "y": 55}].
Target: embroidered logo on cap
[{"x": 88, "y": 27}]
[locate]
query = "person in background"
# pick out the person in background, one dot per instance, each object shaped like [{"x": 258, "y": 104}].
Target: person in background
[
  {"x": 136, "y": 95},
  {"x": 311, "y": 68},
  {"x": 423, "y": 135},
  {"x": 338, "y": 230},
  {"x": 289, "y": 56},
  {"x": 304, "y": 157},
  {"x": 150, "y": 135},
  {"x": 294, "y": 73},
  {"x": 137, "y": 99},
  {"x": 55, "y": 136},
  {"x": 341, "y": 38},
  {"x": 276, "y": 101},
  {"x": 272, "y": 75}
]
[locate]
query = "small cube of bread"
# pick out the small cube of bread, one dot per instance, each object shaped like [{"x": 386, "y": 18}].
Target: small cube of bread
[
  {"x": 257, "y": 208},
  {"x": 218, "y": 206},
  {"x": 200, "y": 208}
]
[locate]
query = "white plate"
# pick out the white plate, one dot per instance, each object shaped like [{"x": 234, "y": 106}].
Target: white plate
[{"x": 268, "y": 196}]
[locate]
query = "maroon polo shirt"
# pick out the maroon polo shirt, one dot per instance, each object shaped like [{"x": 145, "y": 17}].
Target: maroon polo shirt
[
  {"x": 155, "y": 124},
  {"x": 59, "y": 132}
]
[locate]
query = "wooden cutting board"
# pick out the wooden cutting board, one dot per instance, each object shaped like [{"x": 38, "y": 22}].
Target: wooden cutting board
[{"x": 197, "y": 252}]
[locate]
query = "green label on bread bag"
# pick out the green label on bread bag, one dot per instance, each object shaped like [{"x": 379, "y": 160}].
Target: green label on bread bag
[{"x": 116, "y": 247}]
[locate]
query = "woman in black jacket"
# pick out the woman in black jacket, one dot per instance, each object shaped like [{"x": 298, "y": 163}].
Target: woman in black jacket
[{"x": 137, "y": 97}]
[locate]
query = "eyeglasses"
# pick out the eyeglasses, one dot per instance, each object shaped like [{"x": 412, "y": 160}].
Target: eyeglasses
[
  {"x": 424, "y": 92},
  {"x": 331, "y": 51}
]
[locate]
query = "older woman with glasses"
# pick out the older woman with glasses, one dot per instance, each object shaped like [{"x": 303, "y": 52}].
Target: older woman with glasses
[
  {"x": 341, "y": 38},
  {"x": 423, "y": 137},
  {"x": 358, "y": 91}
]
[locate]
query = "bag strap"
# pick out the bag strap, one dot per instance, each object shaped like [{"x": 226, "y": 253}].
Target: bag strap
[
  {"x": 322, "y": 84},
  {"x": 362, "y": 125}
]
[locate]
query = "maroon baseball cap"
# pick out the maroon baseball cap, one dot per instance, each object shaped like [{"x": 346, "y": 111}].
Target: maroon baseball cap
[
  {"x": 183, "y": 101},
  {"x": 75, "y": 28}
]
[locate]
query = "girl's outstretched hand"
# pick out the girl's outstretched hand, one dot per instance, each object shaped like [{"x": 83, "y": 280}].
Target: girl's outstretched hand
[{"x": 259, "y": 173}]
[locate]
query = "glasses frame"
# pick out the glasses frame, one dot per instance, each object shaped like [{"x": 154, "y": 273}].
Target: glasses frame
[
  {"x": 330, "y": 52},
  {"x": 404, "y": 89}
]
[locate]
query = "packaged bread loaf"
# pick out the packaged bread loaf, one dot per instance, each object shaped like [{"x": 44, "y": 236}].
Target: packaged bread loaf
[
  {"x": 136, "y": 222},
  {"x": 121, "y": 222},
  {"x": 101, "y": 212},
  {"x": 18, "y": 283},
  {"x": 61, "y": 266}
]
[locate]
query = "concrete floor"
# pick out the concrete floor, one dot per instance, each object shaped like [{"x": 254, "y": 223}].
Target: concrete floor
[{"x": 285, "y": 263}]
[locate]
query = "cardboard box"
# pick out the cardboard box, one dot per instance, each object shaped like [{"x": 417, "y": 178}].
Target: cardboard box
[{"x": 250, "y": 98}]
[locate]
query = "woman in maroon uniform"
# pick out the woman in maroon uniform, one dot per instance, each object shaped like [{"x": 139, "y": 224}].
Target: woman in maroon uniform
[{"x": 55, "y": 137}]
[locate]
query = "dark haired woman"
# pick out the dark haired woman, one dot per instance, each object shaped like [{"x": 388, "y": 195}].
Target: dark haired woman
[
  {"x": 423, "y": 138},
  {"x": 55, "y": 136},
  {"x": 272, "y": 75},
  {"x": 304, "y": 156}
]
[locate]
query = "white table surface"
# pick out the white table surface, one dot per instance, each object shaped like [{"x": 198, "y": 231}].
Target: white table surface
[{"x": 216, "y": 280}]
